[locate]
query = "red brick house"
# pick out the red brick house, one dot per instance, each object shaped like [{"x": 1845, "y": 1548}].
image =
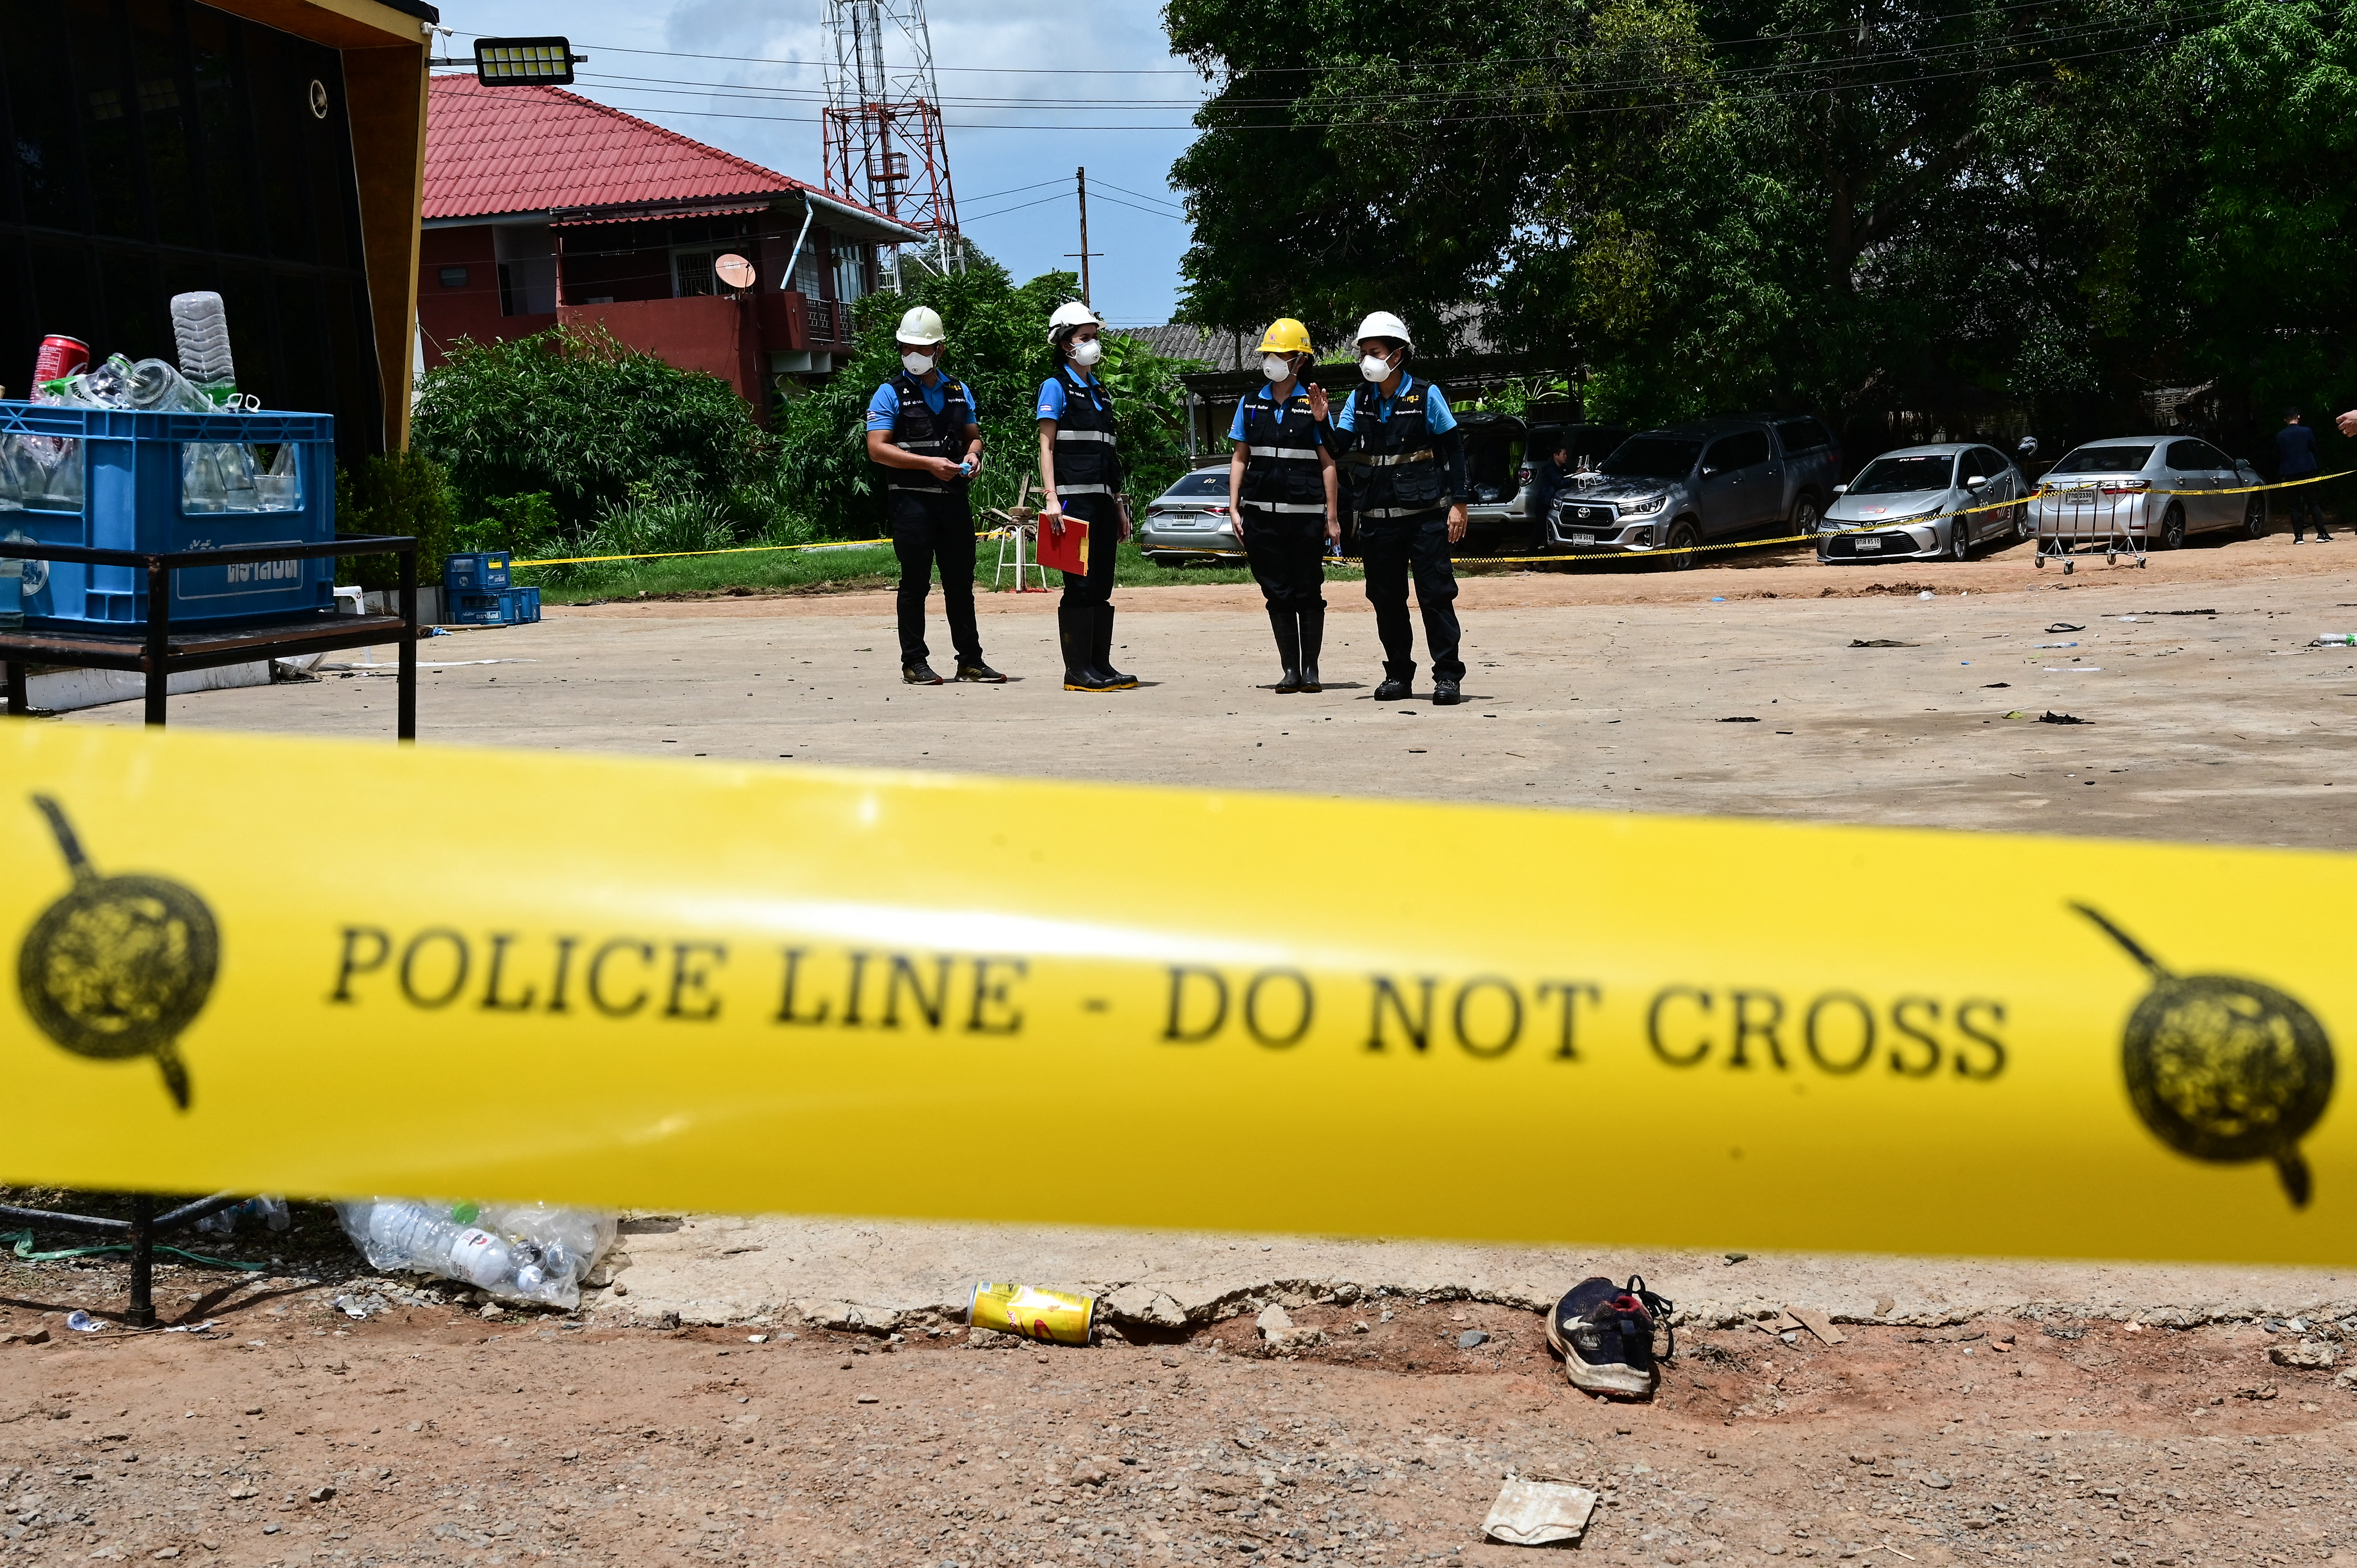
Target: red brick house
[{"x": 542, "y": 207}]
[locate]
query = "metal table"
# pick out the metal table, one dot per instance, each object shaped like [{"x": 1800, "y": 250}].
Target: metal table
[{"x": 159, "y": 652}]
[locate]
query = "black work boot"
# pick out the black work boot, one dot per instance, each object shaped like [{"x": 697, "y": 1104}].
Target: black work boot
[
  {"x": 1286, "y": 621},
  {"x": 1074, "y": 628},
  {"x": 917, "y": 672},
  {"x": 1313, "y": 638},
  {"x": 1444, "y": 693},
  {"x": 1101, "y": 653},
  {"x": 1399, "y": 683}
]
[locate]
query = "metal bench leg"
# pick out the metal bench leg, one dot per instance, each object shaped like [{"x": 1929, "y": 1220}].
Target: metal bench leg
[
  {"x": 19, "y": 702},
  {"x": 159, "y": 641},
  {"x": 141, "y": 1313}
]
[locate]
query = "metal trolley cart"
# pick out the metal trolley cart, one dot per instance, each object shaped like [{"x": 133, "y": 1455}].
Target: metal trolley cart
[{"x": 2078, "y": 518}]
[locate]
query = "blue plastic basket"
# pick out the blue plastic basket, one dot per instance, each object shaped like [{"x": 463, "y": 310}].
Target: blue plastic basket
[
  {"x": 497, "y": 607},
  {"x": 124, "y": 481},
  {"x": 527, "y": 602},
  {"x": 475, "y": 572}
]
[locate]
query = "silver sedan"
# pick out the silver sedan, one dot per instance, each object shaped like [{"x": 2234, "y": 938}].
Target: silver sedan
[
  {"x": 1189, "y": 520},
  {"x": 2140, "y": 492},
  {"x": 1905, "y": 504}
]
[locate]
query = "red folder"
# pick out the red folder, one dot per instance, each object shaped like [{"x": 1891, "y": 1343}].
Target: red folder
[{"x": 1068, "y": 553}]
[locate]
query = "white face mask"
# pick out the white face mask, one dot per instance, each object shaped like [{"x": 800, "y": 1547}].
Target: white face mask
[
  {"x": 1275, "y": 367},
  {"x": 918, "y": 362},
  {"x": 1374, "y": 367},
  {"x": 1086, "y": 354}
]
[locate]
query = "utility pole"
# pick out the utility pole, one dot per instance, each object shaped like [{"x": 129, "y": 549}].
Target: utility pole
[{"x": 1081, "y": 176}]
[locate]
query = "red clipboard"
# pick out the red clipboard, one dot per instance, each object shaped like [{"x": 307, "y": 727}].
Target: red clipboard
[{"x": 1068, "y": 553}]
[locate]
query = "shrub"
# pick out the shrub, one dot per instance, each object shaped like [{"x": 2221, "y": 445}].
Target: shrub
[
  {"x": 400, "y": 492},
  {"x": 573, "y": 414}
]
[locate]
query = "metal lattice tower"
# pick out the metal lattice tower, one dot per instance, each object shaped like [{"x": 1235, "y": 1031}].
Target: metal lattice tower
[{"x": 883, "y": 141}]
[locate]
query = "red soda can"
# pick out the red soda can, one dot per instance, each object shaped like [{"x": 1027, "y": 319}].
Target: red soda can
[{"x": 59, "y": 357}]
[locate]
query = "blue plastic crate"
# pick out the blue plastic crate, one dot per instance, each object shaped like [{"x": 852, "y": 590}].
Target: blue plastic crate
[
  {"x": 476, "y": 571},
  {"x": 126, "y": 482},
  {"x": 527, "y": 606},
  {"x": 497, "y": 607}
]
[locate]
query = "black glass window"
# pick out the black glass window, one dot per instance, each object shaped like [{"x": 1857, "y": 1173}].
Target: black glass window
[{"x": 161, "y": 146}]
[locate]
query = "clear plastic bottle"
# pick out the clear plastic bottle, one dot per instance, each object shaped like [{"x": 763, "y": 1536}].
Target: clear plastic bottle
[
  {"x": 482, "y": 1260},
  {"x": 405, "y": 1234},
  {"x": 201, "y": 333}
]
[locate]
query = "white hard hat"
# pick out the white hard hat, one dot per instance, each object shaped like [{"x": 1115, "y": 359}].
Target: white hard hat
[
  {"x": 1383, "y": 324},
  {"x": 922, "y": 324},
  {"x": 1072, "y": 313}
]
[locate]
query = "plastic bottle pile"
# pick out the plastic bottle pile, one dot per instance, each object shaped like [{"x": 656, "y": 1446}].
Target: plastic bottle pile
[
  {"x": 518, "y": 1251},
  {"x": 270, "y": 1209}
]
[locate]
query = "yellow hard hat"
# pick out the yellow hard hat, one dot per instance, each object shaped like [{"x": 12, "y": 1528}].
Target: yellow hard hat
[{"x": 1284, "y": 336}]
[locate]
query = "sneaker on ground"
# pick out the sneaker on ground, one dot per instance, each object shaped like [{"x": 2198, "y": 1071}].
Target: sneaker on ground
[
  {"x": 1605, "y": 1334},
  {"x": 978, "y": 671},
  {"x": 920, "y": 674}
]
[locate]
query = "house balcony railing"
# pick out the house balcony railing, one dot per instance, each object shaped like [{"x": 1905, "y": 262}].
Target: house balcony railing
[{"x": 827, "y": 320}]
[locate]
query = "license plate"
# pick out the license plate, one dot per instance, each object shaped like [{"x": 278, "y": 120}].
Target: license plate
[
  {"x": 1582, "y": 539},
  {"x": 1865, "y": 545}
]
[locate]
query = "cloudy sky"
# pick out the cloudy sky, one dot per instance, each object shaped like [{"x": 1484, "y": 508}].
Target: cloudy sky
[{"x": 1032, "y": 90}]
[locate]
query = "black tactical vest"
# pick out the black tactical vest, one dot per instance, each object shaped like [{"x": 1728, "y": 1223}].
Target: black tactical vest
[
  {"x": 1403, "y": 473},
  {"x": 1086, "y": 461},
  {"x": 917, "y": 428},
  {"x": 1281, "y": 470}
]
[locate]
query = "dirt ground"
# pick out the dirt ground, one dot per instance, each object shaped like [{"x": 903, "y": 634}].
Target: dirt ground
[
  {"x": 287, "y": 1434},
  {"x": 274, "y": 1429}
]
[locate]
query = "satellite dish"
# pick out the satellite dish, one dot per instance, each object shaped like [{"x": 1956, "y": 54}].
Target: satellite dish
[{"x": 734, "y": 270}]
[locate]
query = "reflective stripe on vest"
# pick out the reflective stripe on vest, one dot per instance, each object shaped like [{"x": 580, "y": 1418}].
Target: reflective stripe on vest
[
  {"x": 1064, "y": 434},
  {"x": 1084, "y": 490},
  {"x": 1390, "y": 459},
  {"x": 1317, "y": 507},
  {"x": 1284, "y": 454}
]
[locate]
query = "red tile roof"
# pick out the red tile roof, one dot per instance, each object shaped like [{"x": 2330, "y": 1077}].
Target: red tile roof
[{"x": 491, "y": 150}]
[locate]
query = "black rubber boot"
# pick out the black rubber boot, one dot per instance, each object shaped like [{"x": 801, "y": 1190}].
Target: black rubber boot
[
  {"x": 1101, "y": 653},
  {"x": 1313, "y": 638},
  {"x": 1286, "y": 621},
  {"x": 1074, "y": 629}
]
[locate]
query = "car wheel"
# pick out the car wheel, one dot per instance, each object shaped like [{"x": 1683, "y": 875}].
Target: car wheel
[
  {"x": 1808, "y": 516},
  {"x": 1960, "y": 539},
  {"x": 2024, "y": 525},
  {"x": 1684, "y": 536},
  {"x": 2172, "y": 528},
  {"x": 2255, "y": 517}
]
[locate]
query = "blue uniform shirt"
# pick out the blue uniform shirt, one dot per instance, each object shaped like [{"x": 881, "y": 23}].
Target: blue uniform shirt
[
  {"x": 1267, "y": 393},
  {"x": 1436, "y": 417},
  {"x": 1052, "y": 396},
  {"x": 884, "y": 408}
]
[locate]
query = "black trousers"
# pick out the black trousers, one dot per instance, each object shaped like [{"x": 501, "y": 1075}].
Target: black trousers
[
  {"x": 2302, "y": 504},
  {"x": 1287, "y": 551},
  {"x": 1391, "y": 548},
  {"x": 1102, "y": 514},
  {"x": 926, "y": 529}
]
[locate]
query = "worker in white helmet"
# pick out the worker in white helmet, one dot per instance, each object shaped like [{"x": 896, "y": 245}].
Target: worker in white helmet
[
  {"x": 1081, "y": 477},
  {"x": 1410, "y": 493},
  {"x": 925, "y": 440}
]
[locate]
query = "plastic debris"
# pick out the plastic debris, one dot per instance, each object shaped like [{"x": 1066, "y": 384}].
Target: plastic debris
[
  {"x": 81, "y": 1322},
  {"x": 1880, "y": 642},
  {"x": 1539, "y": 1512},
  {"x": 2336, "y": 640},
  {"x": 2051, "y": 717},
  {"x": 1060, "y": 1316},
  {"x": 519, "y": 1251},
  {"x": 2060, "y": 626},
  {"x": 270, "y": 1209}
]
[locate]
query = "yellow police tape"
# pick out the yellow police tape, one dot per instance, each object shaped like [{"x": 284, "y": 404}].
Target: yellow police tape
[{"x": 327, "y": 969}]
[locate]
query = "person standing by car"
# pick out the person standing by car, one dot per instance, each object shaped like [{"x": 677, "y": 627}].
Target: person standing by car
[
  {"x": 2295, "y": 459},
  {"x": 915, "y": 422},
  {"x": 1411, "y": 507},
  {"x": 1283, "y": 499},
  {"x": 1546, "y": 478},
  {"x": 1080, "y": 477}
]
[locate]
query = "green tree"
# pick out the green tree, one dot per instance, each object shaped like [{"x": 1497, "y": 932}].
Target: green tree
[
  {"x": 400, "y": 492},
  {"x": 574, "y": 415}
]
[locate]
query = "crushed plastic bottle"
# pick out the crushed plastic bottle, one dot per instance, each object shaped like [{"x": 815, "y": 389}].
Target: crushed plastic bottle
[
  {"x": 524, "y": 1252},
  {"x": 200, "y": 334},
  {"x": 270, "y": 1209}
]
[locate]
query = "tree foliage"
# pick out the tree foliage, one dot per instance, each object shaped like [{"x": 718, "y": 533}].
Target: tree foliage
[
  {"x": 574, "y": 415},
  {"x": 1869, "y": 206}
]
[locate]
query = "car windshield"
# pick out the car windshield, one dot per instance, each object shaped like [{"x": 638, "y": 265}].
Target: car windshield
[
  {"x": 1198, "y": 485},
  {"x": 1653, "y": 458},
  {"x": 1894, "y": 476},
  {"x": 2106, "y": 460}
]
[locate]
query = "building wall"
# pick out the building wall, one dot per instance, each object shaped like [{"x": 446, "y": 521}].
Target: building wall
[{"x": 459, "y": 290}]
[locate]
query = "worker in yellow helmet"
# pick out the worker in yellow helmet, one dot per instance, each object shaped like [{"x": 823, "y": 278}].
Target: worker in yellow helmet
[{"x": 1281, "y": 495}]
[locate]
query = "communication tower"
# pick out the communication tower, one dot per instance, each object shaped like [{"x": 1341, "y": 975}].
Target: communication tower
[{"x": 883, "y": 142}]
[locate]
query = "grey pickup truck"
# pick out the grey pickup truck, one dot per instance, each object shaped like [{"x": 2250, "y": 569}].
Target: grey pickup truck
[{"x": 1708, "y": 482}]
